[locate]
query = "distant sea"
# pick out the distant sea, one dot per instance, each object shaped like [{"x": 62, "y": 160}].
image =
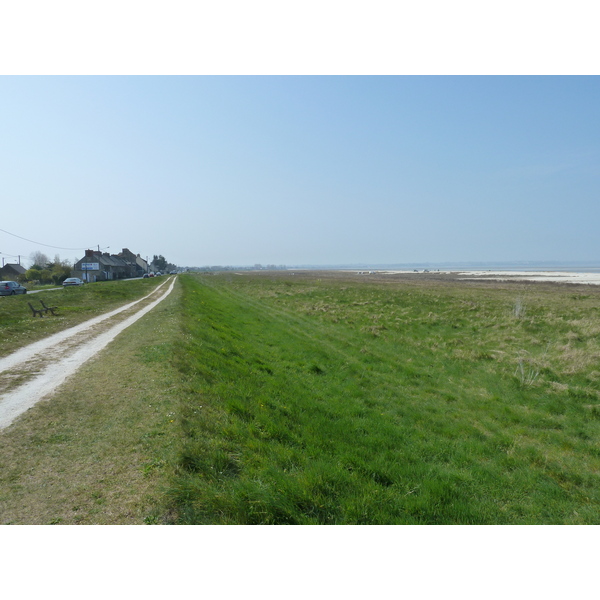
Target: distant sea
[{"x": 572, "y": 267}]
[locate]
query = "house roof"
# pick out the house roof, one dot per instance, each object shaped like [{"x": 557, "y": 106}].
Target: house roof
[
  {"x": 14, "y": 268},
  {"x": 113, "y": 260},
  {"x": 105, "y": 259}
]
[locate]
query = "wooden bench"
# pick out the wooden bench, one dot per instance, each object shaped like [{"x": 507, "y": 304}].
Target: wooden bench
[
  {"x": 49, "y": 308},
  {"x": 36, "y": 311},
  {"x": 44, "y": 309}
]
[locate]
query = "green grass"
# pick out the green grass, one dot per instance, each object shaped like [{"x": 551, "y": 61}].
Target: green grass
[
  {"x": 323, "y": 400},
  {"x": 99, "y": 451},
  {"x": 316, "y": 399},
  {"x": 75, "y": 304}
]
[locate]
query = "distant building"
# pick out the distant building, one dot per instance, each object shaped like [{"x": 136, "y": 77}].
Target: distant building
[
  {"x": 138, "y": 265},
  {"x": 101, "y": 266},
  {"x": 11, "y": 271}
]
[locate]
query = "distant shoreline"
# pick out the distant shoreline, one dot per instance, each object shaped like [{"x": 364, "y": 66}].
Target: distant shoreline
[
  {"x": 455, "y": 267},
  {"x": 561, "y": 276},
  {"x": 589, "y": 278}
]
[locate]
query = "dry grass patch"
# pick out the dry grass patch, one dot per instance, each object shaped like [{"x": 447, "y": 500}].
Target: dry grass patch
[{"x": 96, "y": 452}]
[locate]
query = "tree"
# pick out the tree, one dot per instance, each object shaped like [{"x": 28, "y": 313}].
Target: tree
[
  {"x": 46, "y": 276},
  {"x": 46, "y": 271},
  {"x": 62, "y": 263},
  {"x": 39, "y": 259},
  {"x": 159, "y": 262},
  {"x": 60, "y": 272}
]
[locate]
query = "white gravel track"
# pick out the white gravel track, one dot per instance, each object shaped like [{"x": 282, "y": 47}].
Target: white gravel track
[{"x": 61, "y": 355}]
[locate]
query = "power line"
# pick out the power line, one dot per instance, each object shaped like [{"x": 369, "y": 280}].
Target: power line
[{"x": 40, "y": 243}]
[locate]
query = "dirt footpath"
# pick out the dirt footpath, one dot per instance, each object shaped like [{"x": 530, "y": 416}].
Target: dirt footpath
[{"x": 35, "y": 371}]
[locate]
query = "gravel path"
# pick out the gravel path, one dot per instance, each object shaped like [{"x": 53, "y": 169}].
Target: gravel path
[
  {"x": 46, "y": 290},
  {"x": 35, "y": 371}
]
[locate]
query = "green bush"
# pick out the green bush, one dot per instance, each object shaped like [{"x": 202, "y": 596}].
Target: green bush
[
  {"x": 56, "y": 275},
  {"x": 33, "y": 274}
]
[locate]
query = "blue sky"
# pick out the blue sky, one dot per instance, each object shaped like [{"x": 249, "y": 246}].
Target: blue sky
[{"x": 295, "y": 170}]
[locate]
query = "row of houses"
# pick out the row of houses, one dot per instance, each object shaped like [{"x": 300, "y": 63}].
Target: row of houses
[{"x": 101, "y": 266}]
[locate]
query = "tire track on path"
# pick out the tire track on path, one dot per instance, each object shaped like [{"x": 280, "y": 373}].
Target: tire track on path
[{"x": 59, "y": 356}]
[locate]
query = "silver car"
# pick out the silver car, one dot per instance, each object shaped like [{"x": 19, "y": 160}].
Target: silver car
[
  {"x": 10, "y": 288},
  {"x": 72, "y": 281}
]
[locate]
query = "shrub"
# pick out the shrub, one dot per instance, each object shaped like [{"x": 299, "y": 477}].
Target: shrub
[
  {"x": 46, "y": 276},
  {"x": 33, "y": 274}
]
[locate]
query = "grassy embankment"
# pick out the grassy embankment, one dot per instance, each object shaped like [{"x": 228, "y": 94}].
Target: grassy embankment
[
  {"x": 315, "y": 399},
  {"x": 326, "y": 401}
]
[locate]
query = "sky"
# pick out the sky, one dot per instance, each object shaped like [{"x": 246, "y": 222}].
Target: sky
[{"x": 298, "y": 170}]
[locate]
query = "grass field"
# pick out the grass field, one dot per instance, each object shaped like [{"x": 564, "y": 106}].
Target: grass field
[
  {"x": 316, "y": 399},
  {"x": 321, "y": 398},
  {"x": 75, "y": 304}
]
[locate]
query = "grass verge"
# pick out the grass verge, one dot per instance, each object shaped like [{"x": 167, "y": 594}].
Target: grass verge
[
  {"x": 75, "y": 304},
  {"x": 99, "y": 451},
  {"x": 318, "y": 400}
]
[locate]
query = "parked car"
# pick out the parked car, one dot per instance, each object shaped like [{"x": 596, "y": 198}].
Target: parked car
[
  {"x": 10, "y": 288},
  {"x": 151, "y": 274},
  {"x": 173, "y": 272},
  {"x": 145, "y": 276},
  {"x": 157, "y": 274},
  {"x": 72, "y": 281}
]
